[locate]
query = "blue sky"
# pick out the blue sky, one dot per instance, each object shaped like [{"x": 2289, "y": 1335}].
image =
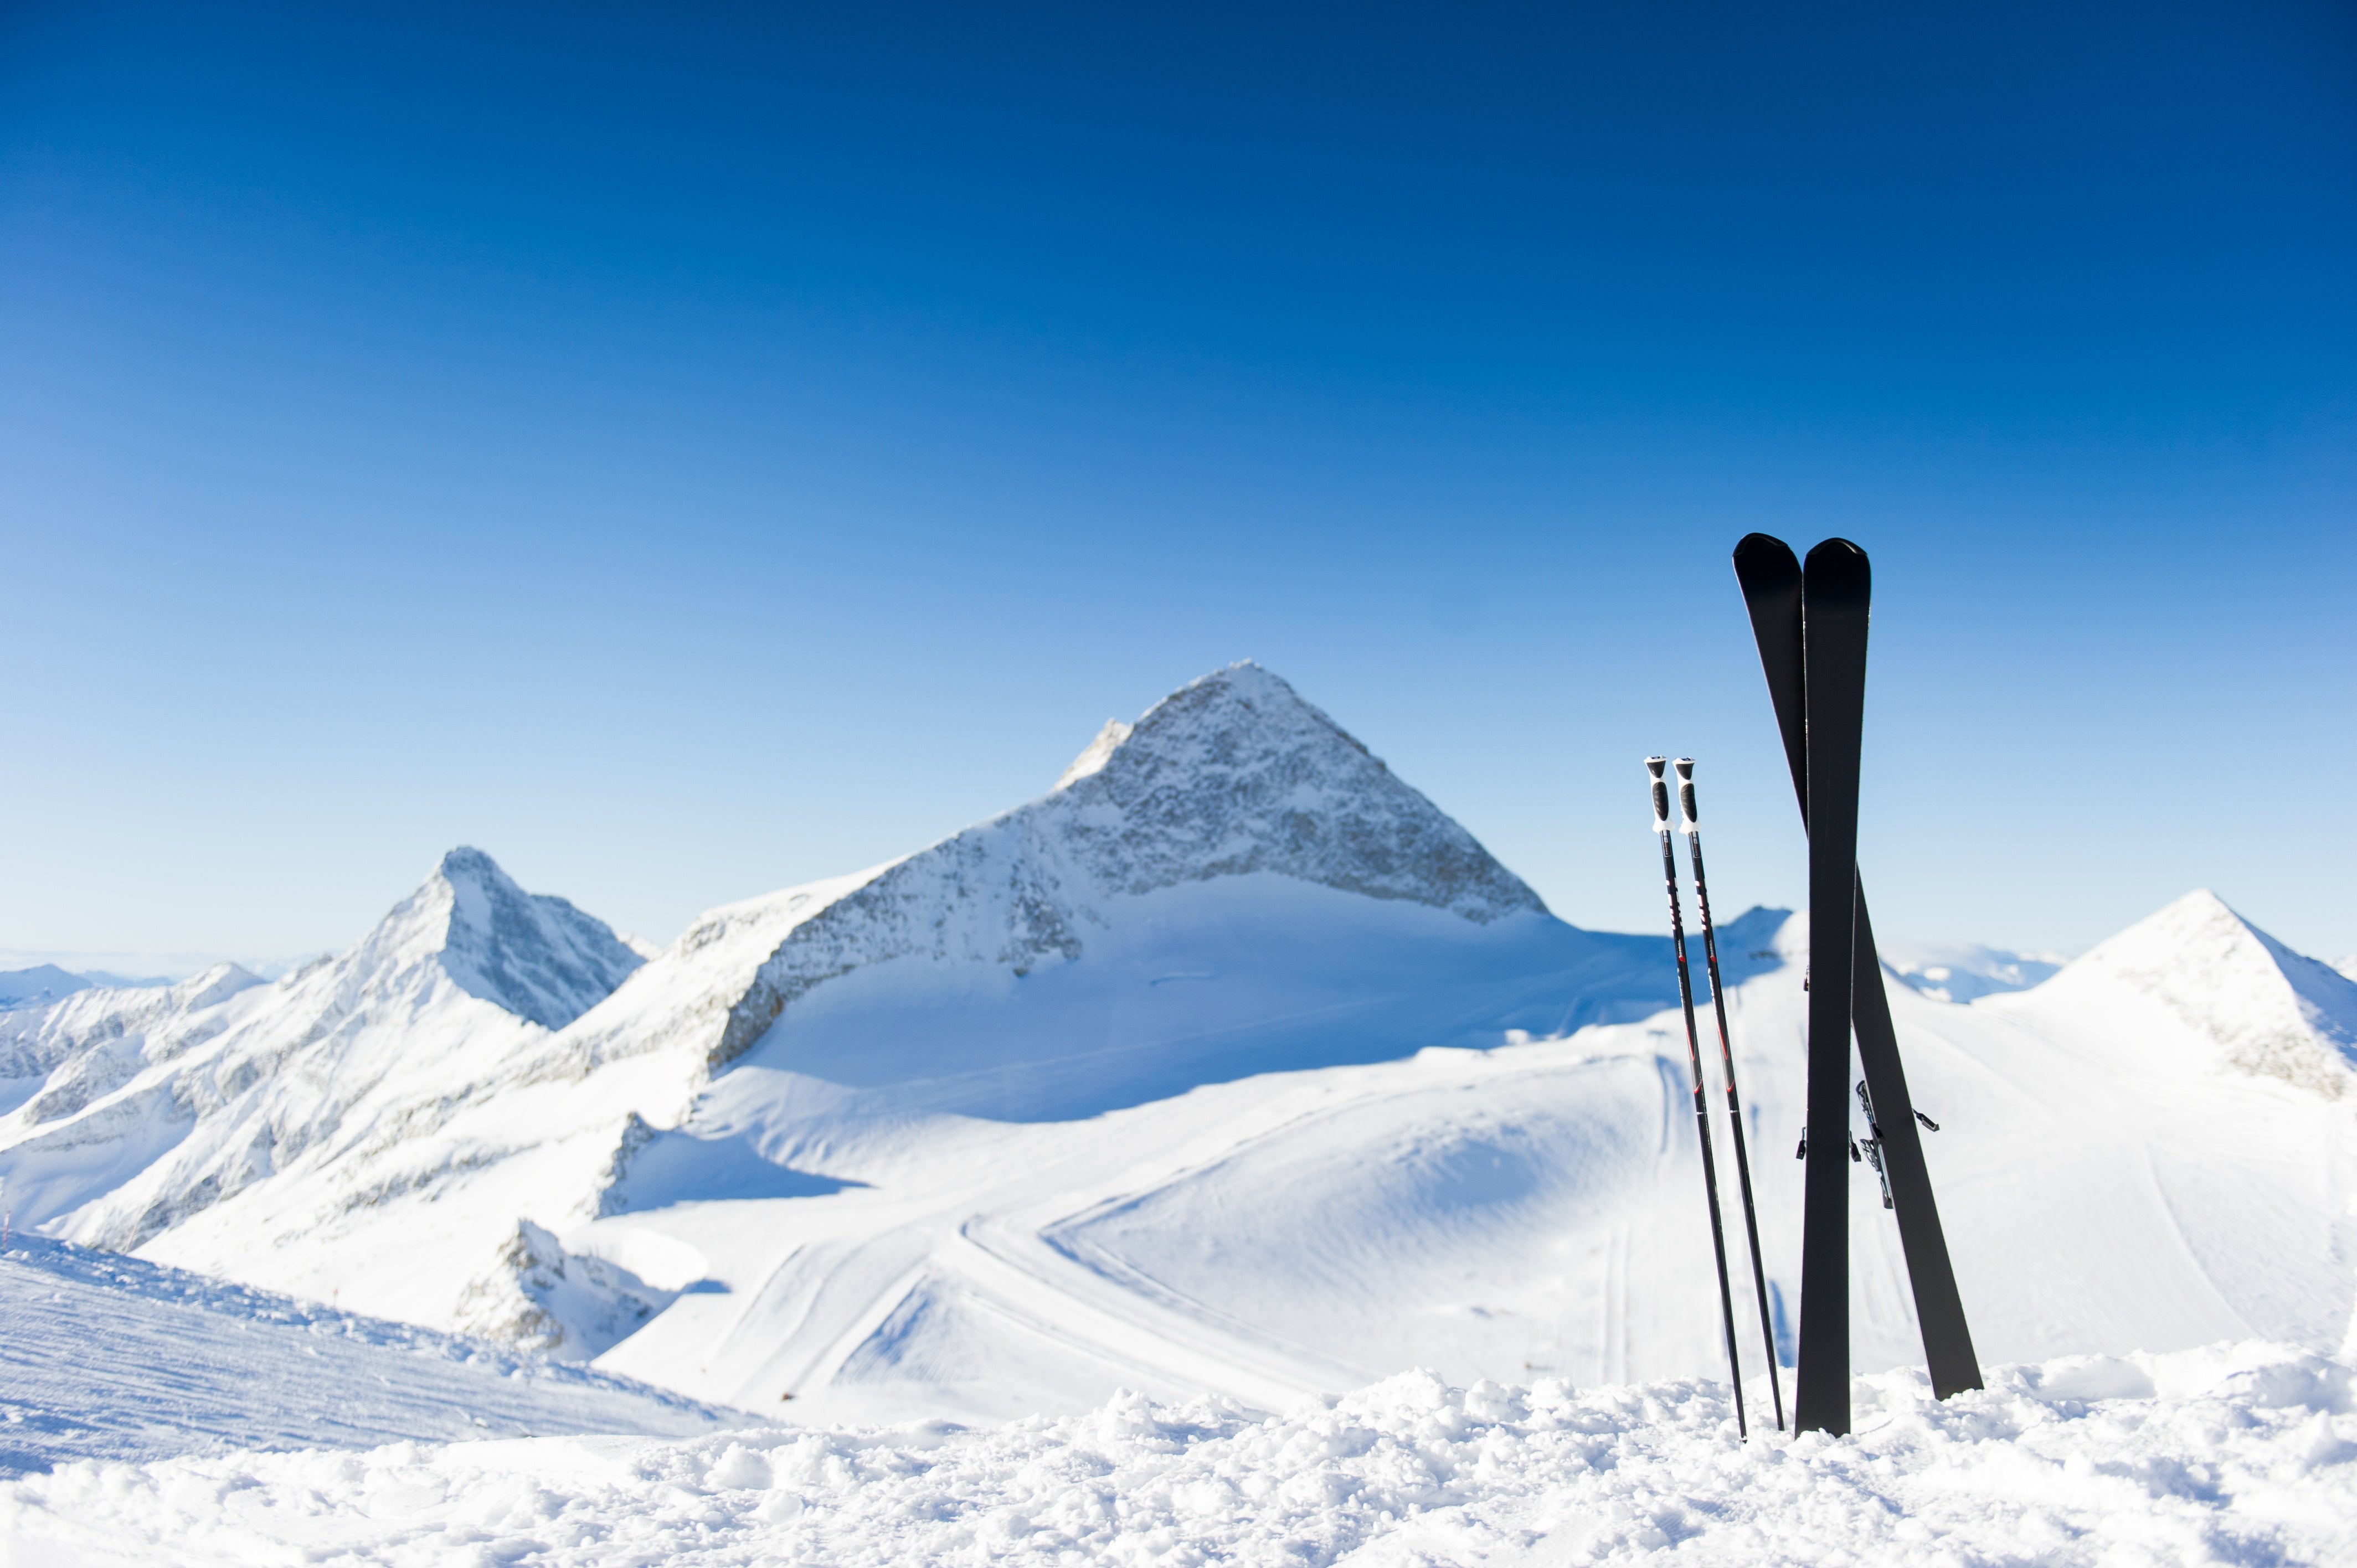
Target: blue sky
[{"x": 688, "y": 450}]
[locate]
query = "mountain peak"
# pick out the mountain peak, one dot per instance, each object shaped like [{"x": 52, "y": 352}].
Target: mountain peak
[
  {"x": 2273, "y": 1013},
  {"x": 1231, "y": 775},
  {"x": 532, "y": 954},
  {"x": 1236, "y": 772}
]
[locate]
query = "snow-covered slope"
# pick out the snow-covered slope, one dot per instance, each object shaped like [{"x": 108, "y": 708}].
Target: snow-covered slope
[
  {"x": 107, "y": 1356},
  {"x": 2112, "y": 1176}
]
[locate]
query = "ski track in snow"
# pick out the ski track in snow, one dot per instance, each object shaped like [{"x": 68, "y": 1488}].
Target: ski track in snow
[
  {"x": 106, "y": 1357},
  {"x": 2238, "y": 1455}
]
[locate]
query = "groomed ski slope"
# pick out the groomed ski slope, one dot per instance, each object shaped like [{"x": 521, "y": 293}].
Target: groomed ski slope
[
  {"x": 2239, "y": 1455},
  {"x": 103, "y": 1355},
  {"x": 2113, "y": 1174}
]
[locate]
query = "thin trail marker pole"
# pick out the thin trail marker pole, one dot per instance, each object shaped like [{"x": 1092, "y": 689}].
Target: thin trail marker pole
[
  {"x": 1655, "y": 767},
  {"x": 1691, "y": 825}
]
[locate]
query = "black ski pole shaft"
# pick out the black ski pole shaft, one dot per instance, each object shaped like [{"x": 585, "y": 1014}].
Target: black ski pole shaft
[
  {"x": 1691, "y": 820},
  {"x": 1655, "y": 767}
]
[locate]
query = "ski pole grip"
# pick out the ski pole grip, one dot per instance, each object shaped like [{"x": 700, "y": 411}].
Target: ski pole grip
[
  {"x": 1684, "y": 765},
  {"x": 1654, "y": 764}
]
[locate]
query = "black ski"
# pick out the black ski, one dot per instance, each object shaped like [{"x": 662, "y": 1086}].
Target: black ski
[
  {"x": 1835, "y": 588},
  {"x": 1691, "y": 824},
  {"x": 1773, "y": 592},
  {"x": 1654, "y": 764}
]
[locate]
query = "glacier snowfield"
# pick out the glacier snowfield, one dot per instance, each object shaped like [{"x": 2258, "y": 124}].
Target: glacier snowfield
[{"x": 1044, "y": 1194}]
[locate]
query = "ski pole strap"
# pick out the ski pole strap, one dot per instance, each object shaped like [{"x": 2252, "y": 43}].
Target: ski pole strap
[
  {"x": 1684, "y": 765},
  {"x": 1653, "y": 764}
]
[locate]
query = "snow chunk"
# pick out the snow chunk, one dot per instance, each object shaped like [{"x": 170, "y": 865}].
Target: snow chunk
[{"x": 2051, "y": 1464}]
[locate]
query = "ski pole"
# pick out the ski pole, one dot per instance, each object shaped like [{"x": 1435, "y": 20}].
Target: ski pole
[
  {"x": 1692, "y": 822},
  {"x": 1656, "y": 766}
]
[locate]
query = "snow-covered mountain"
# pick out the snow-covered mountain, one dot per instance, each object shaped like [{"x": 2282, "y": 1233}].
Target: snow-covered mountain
[
  {"x": 307, "y": 1105},
  {"x": 39, "y": 985},
  {"x": 1230, "y": 1064},
  {"x": 1962, "y": 972}
]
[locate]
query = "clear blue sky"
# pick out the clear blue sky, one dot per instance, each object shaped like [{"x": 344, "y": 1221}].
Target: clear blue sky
[{"x": 688, "y": 450}]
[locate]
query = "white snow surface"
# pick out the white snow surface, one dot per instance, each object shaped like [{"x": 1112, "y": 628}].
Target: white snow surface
[
  {"x": 2232, "y": 1455},
  {"x": 102, "y": 1356}
]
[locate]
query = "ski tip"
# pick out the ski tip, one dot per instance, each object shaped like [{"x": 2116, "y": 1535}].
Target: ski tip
[
  {"x": 1838, "y": 569},
  {"x": 1763, "y": 557}
]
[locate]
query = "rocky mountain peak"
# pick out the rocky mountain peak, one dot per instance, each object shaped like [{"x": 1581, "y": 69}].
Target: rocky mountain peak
[
  {"x": 1234, "y": 772},
  {"x": 532, "y": 954}
]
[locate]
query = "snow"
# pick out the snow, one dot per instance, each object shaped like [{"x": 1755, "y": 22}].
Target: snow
[
  {"x": 109, "y": 1357},
  {"x": 2233, "y": 1454},
  {"x": 1962, "y": 972},
  {"x": 1231, "y": 1069}
]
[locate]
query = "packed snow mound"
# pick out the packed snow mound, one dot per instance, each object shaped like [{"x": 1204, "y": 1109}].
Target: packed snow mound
[
  {"x": 2239, "y": 1455},
  {"x": 103, "y": 1355},
  {"x": 1230, "y": 775},
  {"x": 2270, "y": 1012}
]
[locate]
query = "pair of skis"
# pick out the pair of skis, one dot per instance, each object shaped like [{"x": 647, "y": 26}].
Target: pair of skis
[
  {"x": 1693, "y": 830},
  {"x": 1811, "y": 627}
]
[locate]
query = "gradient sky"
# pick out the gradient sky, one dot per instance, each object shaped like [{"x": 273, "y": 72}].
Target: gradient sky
[{"x": 686, "y": 451}]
